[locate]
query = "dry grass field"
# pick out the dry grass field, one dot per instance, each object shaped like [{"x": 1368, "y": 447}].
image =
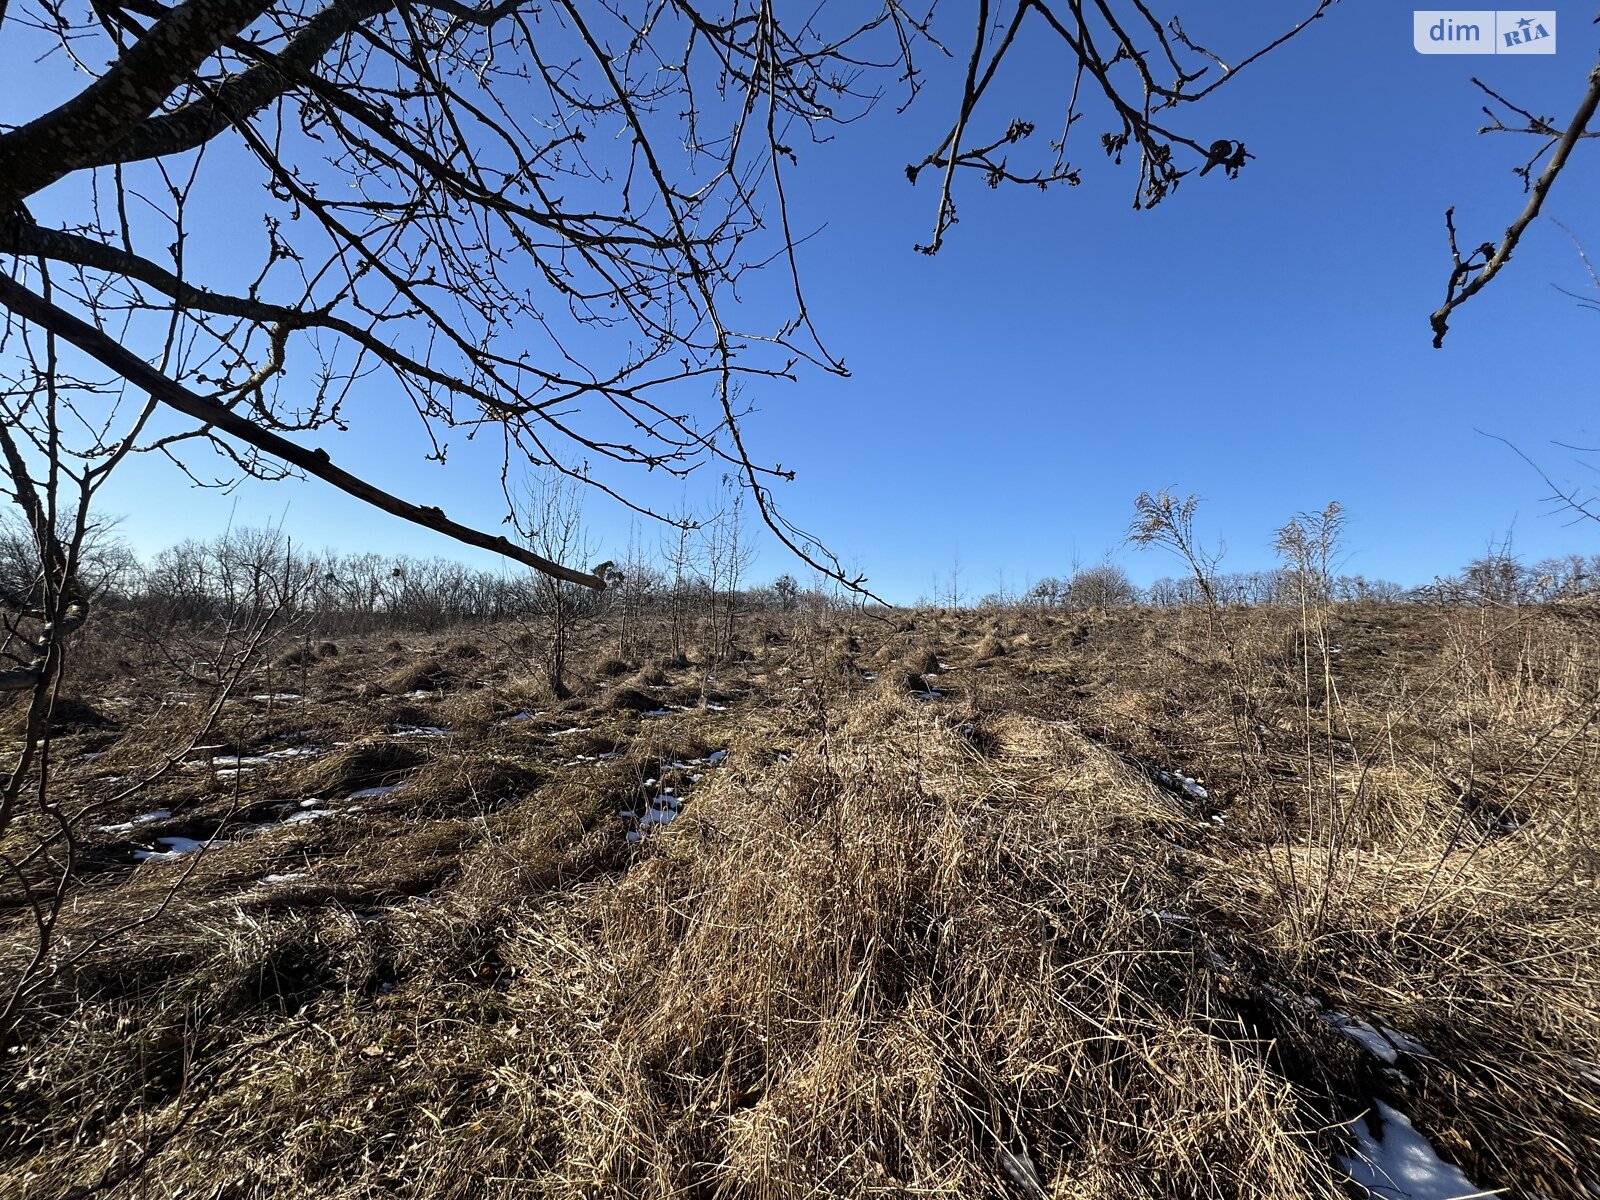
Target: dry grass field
[{"x": 970, "y": 904}]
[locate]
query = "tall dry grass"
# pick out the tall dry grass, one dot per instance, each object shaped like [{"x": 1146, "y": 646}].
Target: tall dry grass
[{"x": 970, "y": 945}]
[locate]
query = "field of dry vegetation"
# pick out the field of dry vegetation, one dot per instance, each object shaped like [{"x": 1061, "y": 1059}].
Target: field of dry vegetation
[{"x": 1011, "y": 903}]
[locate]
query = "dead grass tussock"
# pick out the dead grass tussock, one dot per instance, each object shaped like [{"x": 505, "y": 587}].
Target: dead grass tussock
[
  {"x": 424, "y": 676},
  {"x": 452, "y": 783},
  {"x": 372, "y": 762},
  {"x": 885, "y": 984}
]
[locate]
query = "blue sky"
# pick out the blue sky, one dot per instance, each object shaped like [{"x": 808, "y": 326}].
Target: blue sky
[{"x": 1261, "y": 341}]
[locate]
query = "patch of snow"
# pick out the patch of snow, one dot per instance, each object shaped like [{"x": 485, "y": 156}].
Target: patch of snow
[
  {"x": 1167, "y": 918},
  {"x": 870, "y": 676},
  {"x": 176, "y": 847},
  {"x": 566, "y": 732},
  {"x": 159, "y": 814},
  {"x": 658, "y": 816},
  {"x": 267, "y": 699},
  {"x": 1392, "y": 1161},
  {"x": 515, "y": 718},
  {"x": 1183, "y": 783},
  {"x": 1381, "y": 1041},
  {"x": 403, "y": 731},
  {"x": 372, "y": 792},
  {"x": 305, "y": 815},
  {"x": 291, "y": 877},
  {"x": 293, "y": 752}
]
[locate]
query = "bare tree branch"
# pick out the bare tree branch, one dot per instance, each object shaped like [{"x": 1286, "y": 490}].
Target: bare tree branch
[
  {"x": 1469, "y": 275},
  {"x": 75, "y": 134},
  {"x": 97, "y": 345}
]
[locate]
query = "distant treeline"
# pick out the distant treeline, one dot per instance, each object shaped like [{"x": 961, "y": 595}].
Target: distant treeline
[
  {"x": 1499, "y": 578},
  {"x": 247, "y": 570}
]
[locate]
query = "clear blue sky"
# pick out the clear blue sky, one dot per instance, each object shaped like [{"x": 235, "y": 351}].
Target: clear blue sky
[{"x": 1261, "y": 341}]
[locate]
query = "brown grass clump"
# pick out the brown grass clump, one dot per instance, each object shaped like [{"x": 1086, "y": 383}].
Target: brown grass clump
[
  {"x": 631, "y": 699},
  {"x": 453, "y": 783},
  {"x": 873, "y": 981},
  {"x": 427, "y": 676},
  {"x": 611, "y": 667},
  {"x": 652, "y": 674},
  {"x": 922, "y": 661},
  {"x": 296, "y": 656},
  {"x": 469, "y": 711},
  {"x": 901, "y": 678},
  {"x": 990, "y": 647},
  {"x": 364, "y": 764}
]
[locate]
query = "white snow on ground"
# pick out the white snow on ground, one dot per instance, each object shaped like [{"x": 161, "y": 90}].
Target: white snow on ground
[
  {"x": 1381, "y": 1041},
  {"x": 664, "y": 808},
  {"x": 291, "y": 877},
  {"x": 659, "y": 813},
  {"x": 159, "y": 814},
  {"x": 176, "y": 847},
  {"x": 566, "y": 732},
  {"x": 1167, "y": 918},
  {"x": 372, "y": 792},
  {"x": 266, "y": 699},
  {"x": 1177, "y": 779},
  {"x": 235, "y": 763},
  {"x": 403, "y": 731},
  {"x": 1395, "y": 1162},
  {"x": 688, "y": 764}
]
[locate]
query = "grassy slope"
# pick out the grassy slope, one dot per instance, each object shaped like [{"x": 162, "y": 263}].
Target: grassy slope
[{"x": 968, "y": 944}]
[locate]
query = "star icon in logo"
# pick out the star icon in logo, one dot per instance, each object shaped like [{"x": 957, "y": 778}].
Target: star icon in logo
[{"x": 1525, "y": 22}]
